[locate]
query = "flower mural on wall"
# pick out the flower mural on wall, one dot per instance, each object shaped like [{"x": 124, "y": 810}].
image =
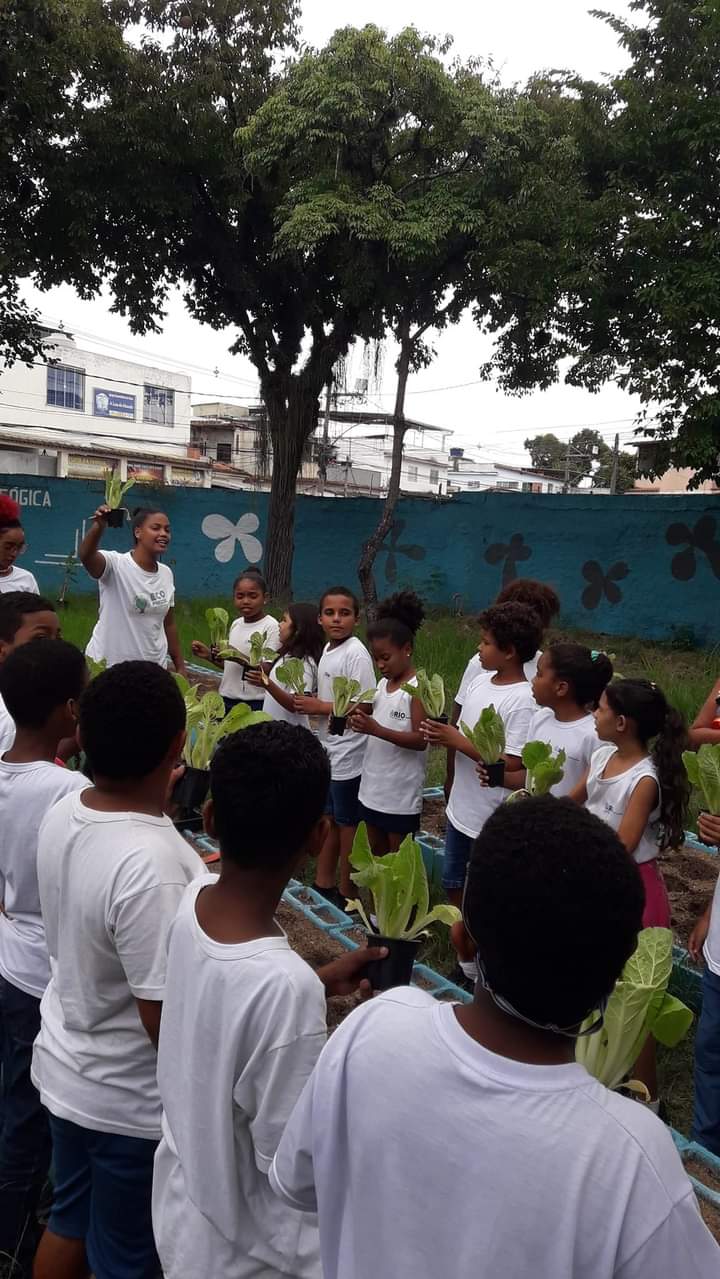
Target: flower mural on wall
[
  {"x": 394, "y": 548},
  {"x": 699, "y": 538},
  {"x": 228, "y": 535},
  {"x": 602, "y": 584},
  {"x": 513, "y": 554}
]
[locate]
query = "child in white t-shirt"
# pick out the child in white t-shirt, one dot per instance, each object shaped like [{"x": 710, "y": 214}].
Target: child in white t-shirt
[
  {"x": 41, "y": 682},
  {"x": 250, "y": 600},
  {"x": 530, "y": 1167},
  {"x": 112, "y": 870},
  {"x": 566, "y": 689},
  {"x": 704, "y": 944},
  {"x": 393, "y": 772},
  {"x": 23, "y": 617},
  {"x": 244, "y": 1020},
  {"x": 301, "y": 637},
  {"x": 343, "y": 654}
]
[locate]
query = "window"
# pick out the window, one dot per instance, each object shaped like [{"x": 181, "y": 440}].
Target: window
[
  {"x": 473, "y": 484},
  {"x": 159, "y": 405},
  {"x": 413, "y": 474},
  {"x": 66, "y": 387},
  {"x": 508, "y": 484},
  {"x": 224, "y": 452},
  {"x": 527, "y": 487},
  {"x": 434, "y": 475}
]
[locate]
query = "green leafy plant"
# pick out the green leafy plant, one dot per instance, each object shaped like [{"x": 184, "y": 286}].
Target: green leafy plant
[
  {"x": 207, "y": 724},
  {"x": 291, "y": 675},
  {"x": 115, "y": 490},
  {"x": 96, "y": 668},
  {"x": 218, "y": 622},
  {"x": 346, "y": 693},
  {"x": 430, "y": 690},
  {"x": 703, "y": 770},
  {"x": 544, "y": 770},
  {"x": 488, "y": 735},
  {"x": 259, "y": 650},
  {"x": 638, "y": 1007},
  {"x": 399, "y": 889}
]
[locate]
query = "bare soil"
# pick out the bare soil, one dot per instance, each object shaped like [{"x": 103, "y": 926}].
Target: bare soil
[
  {"x": 434, "y": 820},
  {"x": 317, "y": 949},
  {"x": 700, "y": 1171},
  {"x": 711, "y": 1216},
  {"x": 690, "y": 878}
]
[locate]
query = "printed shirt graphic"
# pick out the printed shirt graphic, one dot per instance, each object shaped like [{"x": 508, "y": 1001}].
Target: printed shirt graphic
[
  {"x": 392, "y": 776},
  {"x": 133, "y": 607}
]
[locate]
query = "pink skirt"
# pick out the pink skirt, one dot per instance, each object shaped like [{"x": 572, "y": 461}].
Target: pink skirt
[{"x": 657, "y": 903}]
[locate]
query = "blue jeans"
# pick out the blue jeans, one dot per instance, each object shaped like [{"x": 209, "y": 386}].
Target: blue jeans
[
  {"x": 458, "y": 848},
  {"x": 706, "y": 1119},
  {"x": 24, "y": 1131}
]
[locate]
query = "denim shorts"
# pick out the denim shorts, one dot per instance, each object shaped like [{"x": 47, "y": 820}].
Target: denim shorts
[
  {"x": 103, "y": 1191},
  {"x": 458, "y": 848},
  {"x": 342, "y": 802}
]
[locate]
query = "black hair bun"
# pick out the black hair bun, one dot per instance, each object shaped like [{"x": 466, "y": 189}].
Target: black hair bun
[{"x": 405, "y": 607}]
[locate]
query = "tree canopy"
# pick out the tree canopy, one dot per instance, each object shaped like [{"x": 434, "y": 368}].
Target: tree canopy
[{"x": 586, "y": 456}]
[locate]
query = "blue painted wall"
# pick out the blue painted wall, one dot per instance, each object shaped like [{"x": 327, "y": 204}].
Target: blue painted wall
[{"x": 626, "y": 565}]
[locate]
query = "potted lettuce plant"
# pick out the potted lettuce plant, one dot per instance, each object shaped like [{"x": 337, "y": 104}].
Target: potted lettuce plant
[
  {"x": 543, "y": 770},
  {"x": 488, "y": 738},
  {"x": 346, "y": 693},
  {"x": 703, "y": 770},
  {"x": 638, "y": 1007},
  {"x": 291, "y": 675},
  {"x": 207, "y": 724},
  {"x": 218, "y": 621},
  {"x": 259, "y": 652},
  {"x": 398, "y": 886},
  {"x": 430, "y": 690},
  {"x": 115, "y": 491}
]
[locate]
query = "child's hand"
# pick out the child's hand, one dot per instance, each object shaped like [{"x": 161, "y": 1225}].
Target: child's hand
[
  {"x": 697, "y": 937},
  {"x": 344, "y": 975},
  {"x": 709, "y": 828},
  {"x": 481, "y": 771},
  {"x": 360, "y": 722},
  {"x": 176, "y": 774},
  {"x": 439, "y": 734},
  {"x": 257, "y": 678},
  {"x": 201, "y": 650},
  {"x": 305, "y": 705},
  {"x": 101, "y": 514}
]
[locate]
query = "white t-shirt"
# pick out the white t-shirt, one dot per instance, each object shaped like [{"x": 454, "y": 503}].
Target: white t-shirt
[
  {"x": 711, "y": 949},
  {"x": 577, "y": 738},
  {"x": 475, "y": 668},
  {"x": 242, "y": 1027},
  {"x": 7, "y": 728},
  {"x": 392, "y": 777},
  {"x": 232, "y": 683},
  {"x": 352, "y": 659},
  {"x": 133, "y": 607},
  {"x": 512, "y": 1171},
  {"x": 27, "y": 793},
  {"x": 18, "y": 579},
  {"x": 470, "y": 804},
  {"x": 110, "y": 885},
  {"x": 609, "y": 798},
  {"x": 272, "y": 707}
]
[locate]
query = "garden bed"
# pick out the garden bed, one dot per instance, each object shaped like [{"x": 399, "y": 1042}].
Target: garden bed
[
  {"x": 690, "y": 877},
  {"x": 317, "y": 949}
]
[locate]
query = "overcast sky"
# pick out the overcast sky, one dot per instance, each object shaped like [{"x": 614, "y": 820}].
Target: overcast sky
[{"x": 521, "y": 36}]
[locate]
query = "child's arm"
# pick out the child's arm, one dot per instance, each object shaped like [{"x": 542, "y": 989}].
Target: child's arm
[
  {"x": 281, "y": 695},
  {"x": 701, "y": 732},
  {"x": 311, "y": 706},
  {"x": 90, "y": 556},
  {"x": 450, "y": 760},
  {"x": 201, "y": 650},
  {"x": 579, "y": 793},
  {"x": 449, "y": 737},
  {"x": 149, "y": 1011},
  {"x": 173, "y": 640},
  {"x": 637, "y": 814},
  {"x": 709, "y": 831},
  {"x": 360, "y": 722}
]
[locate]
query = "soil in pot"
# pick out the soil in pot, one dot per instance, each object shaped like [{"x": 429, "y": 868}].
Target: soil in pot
[
  {"x": 190, "y": 790},
  {"x": 336, "y": 727},
  {"x": 396, "y": 968},
  {"x": 116, "y": 517},
  {"x": 495, "y": 773}
]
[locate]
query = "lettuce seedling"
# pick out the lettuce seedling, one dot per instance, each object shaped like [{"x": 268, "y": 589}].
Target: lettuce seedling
[
  {"x": 346, "y": 693},
  {"x": 430, "y": 690},
  {"x": 544, "y": 770},
  {"x": 115, "y": 490},
  {"x": 259, "y": 651},
  {"x": 208, "y": 724},
  {"x": 218, "y": 622},
  {"x": 488, "y": 735},
  {"x": 703, "y": 769},
  {"x": 291, "y": 675},
  {"x": 399, "y": 889},
  {"x": 638, "y": 1007},
  {"x": 96, "y": 668}
]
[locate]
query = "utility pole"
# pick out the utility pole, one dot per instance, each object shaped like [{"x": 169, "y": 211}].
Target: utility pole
[
  {"x": 325, "y": 446},
  {"x": 566, "y": 482},
  {"x": 615, "y": 464}
]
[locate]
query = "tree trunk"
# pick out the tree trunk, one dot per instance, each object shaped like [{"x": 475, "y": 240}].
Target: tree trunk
[
  {"x": 292, "y": 416},
  {"x": 370, "y": 548}
]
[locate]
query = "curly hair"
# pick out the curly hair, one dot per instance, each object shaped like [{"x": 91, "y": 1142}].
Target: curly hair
[
  {"x": 554, "y": 905},
  {"x": 586, "y": 675},
  {"x": 513, "y": 626},
  {"x": 40, "y": 676},
  {"x": 399, "y": 618},
  {"x": 645, "y": 704},
  {"x": 129, "y": 716},
  {"x": 9, "y": 513},
  {"x": 538, "y": 595},
  {"x": 254, "y": 575}
]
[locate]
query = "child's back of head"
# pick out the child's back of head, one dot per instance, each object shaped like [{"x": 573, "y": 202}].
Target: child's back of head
[
  {"x": 269, "y": 785},
  {"x": 39, "y": 678},
  {"x": 130, "y": 717}
]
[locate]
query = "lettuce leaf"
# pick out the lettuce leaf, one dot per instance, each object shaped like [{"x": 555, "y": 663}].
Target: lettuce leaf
[
  {"x": 430, "y": 690},
  {"x": 346, "y": 693},
  {"x": 703, "y": 770},
  {"x": 488, "y": 735},
  {"x": 544, "y": 770},
  {"x": 398, "y": 885}
]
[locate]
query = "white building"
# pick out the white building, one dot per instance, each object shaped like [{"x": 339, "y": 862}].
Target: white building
[
  {"x": 467, "y": 474},
  {"x": 362, "y": 442},
  {"x": 76, "y": 412}
]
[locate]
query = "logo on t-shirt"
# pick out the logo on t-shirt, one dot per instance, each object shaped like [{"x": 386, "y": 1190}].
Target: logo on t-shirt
[
  {"x": 140, "y": 603},
  {"x": 398, "y": 715}
]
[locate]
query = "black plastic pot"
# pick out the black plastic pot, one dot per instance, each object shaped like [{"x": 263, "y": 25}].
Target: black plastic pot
[
  {"x": 495, "y": 773},
  {"x": 116, "y": 517},
  {"x": 193, "y": 822},
  {"x": 190, "y": 790},
  {"x": 396, "y": 968},
  {"x": 336, "y": 727},
  {"x": 438, "y": 719}
]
